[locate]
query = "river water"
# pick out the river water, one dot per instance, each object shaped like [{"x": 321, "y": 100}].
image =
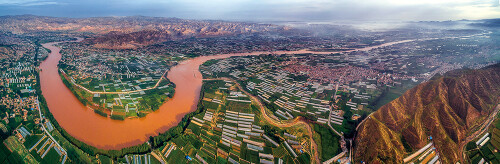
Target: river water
[{"x": 105, "y": 133}]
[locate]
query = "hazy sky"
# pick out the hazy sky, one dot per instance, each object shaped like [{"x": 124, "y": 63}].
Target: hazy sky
[{"x": 262, "y": 10}]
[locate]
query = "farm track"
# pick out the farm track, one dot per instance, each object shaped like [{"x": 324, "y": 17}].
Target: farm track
[{"x": 273, "y": 120}]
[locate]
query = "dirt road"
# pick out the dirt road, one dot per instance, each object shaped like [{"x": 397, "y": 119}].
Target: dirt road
[
  {"x": 483, "y": 128},
  {"x": 275, "y": 122}
]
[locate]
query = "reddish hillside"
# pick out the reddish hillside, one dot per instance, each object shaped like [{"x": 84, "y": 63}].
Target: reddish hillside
[
  {"x": 119, "y": 40},
  {"x": 446, "y": 108},
  {"x": 133, "y": 31},
  {"x": 122, "y": 40}
]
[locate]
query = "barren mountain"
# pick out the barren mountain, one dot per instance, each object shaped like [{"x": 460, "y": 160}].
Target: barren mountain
[
  {"x": 119, "y": 40},
  {"x": 129, "y": 32},
  {"x": 447, "y": 108}
]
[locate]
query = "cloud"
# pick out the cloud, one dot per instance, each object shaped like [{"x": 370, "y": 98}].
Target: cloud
[
  {"x": 26, "y": 2},
  {"x": 264, "y": 10}
]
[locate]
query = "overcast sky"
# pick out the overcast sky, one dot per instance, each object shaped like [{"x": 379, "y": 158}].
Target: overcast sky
[{"x": 263, "y": 10}]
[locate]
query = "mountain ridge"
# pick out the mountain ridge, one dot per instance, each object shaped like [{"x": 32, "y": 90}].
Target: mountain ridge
[
  {"x": 131, "y": 31},
  {"x": 446, "y": 108}
]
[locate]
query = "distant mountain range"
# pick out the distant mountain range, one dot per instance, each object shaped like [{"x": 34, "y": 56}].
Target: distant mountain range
[
  {"x": 447, "y": 108},
  {"x": 491, "y": 23},
  {"x": 133, "y": 31}
]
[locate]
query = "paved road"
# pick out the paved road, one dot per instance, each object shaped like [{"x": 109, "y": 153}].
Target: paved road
[
  {"x": 342, "y": 139},
  {"x": 369, "y": 116},
  {"x": 45, "y": 130},
  {"x": 330, "y": 114}
]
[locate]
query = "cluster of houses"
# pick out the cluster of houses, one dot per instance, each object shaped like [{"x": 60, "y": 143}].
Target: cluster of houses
[
  {"x": 18, "y": 106},
  {"x": 18, "y": 81},
  {"x": 19, "y": 77},
  {"x": 292, "y": 96}
]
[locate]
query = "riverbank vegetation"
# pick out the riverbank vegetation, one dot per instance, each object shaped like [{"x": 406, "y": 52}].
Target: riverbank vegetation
[
  {"x": 78, "y": 149},
  {"x": 155, "y": 141},
  {"x": 187, "y": 134},
  {"x": 175, "y": 131}
]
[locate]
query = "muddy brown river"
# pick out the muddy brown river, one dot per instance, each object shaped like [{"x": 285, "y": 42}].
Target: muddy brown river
[{"x": 102, "y": 132}]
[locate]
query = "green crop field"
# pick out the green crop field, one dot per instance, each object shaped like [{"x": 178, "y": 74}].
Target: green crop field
[
  {"x": 329, "y": 142},
  {"x": 238, "y": 106},
  {"x": 17, "y": 148},
  {"x": 491, "y": 150}
]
